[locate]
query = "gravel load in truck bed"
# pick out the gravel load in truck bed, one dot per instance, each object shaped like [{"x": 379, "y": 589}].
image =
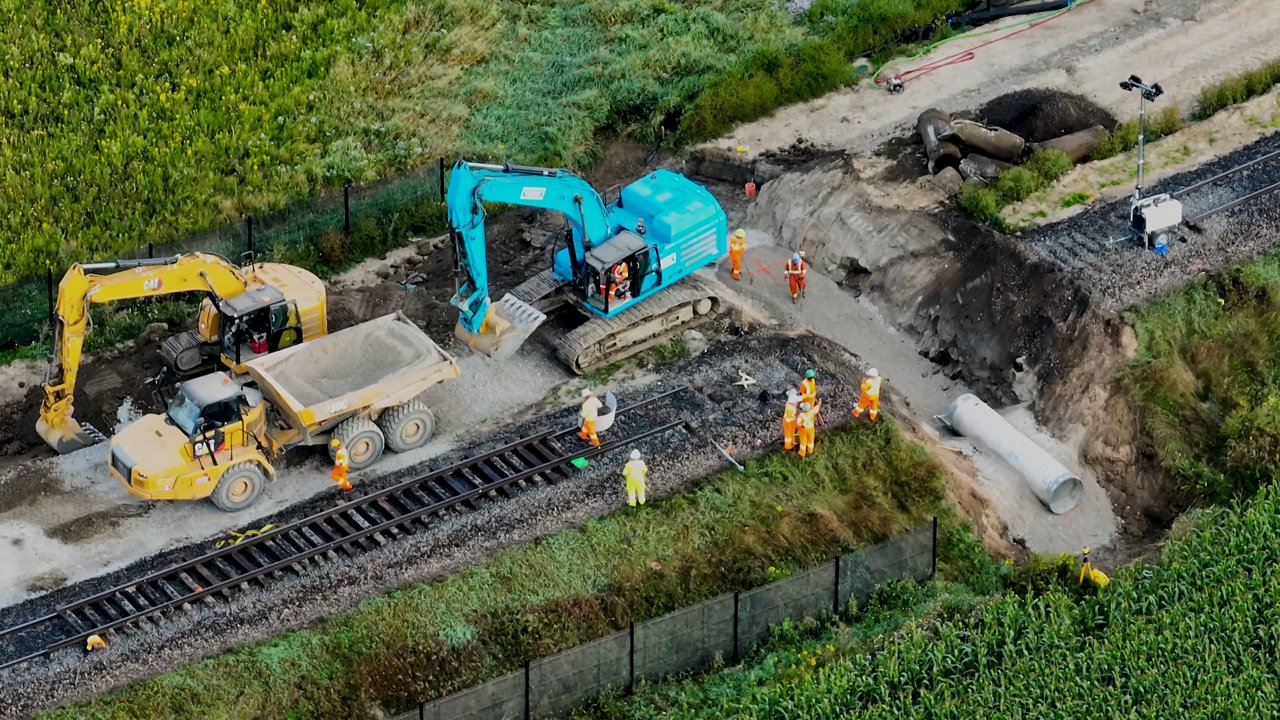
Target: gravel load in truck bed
[{"x": 349, "y": 360}]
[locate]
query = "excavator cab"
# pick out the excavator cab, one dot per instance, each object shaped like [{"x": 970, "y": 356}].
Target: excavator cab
[
  {"x": 617, "y": 272},
  {"x": 257, "y": 322}
]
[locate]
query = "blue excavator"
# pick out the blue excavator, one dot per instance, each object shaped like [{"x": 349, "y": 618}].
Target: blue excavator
[{"x": 625, "y": 265}]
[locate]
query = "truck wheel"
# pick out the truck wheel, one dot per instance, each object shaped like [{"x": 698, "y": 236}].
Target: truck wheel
[
  {"x": 407, "y": 426},
  {"x": 363, "y": 441},
  {"x": 239, "y": 486}
]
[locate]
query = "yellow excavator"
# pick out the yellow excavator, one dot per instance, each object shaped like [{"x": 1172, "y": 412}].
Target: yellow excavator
[{"x": 251, "y": 311}]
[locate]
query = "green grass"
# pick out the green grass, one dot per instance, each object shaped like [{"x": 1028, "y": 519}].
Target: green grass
[
  {"x": 1079, "y": 197},
  {"x": 1207, "y": 376},
  {"x": 154, "y": 119},
  {"x": 1237, "y": 89},
  {"x": 1192, "y": 635},
  {"x": 867, "y": 483},
  {"x": 1016, "y": 184}
]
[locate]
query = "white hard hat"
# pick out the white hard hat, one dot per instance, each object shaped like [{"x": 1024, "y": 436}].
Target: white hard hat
[
  {"x": 586, "y": 392},
  {"x": 873, "y": 373},
  {"x": 793, "y": 396},
  {"x": 635, "y": 454},
  {"x": 739, "y": 233}
]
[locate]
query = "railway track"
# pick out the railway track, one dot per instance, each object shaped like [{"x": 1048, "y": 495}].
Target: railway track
[
  {"x": 351, "y": 529},
  {"x": 1187, "y": 194}
]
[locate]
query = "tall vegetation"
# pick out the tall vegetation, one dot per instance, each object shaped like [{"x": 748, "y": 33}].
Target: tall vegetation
[{"x": 1208, "y": 377}]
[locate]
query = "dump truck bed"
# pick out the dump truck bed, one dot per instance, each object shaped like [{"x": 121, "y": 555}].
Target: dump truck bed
[{"x": 373, "y": 365}]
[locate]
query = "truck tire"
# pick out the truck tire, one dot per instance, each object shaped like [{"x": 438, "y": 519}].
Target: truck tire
[
  {"x": 362, "y": 439},
  {"x": 239, "y": 486},
  {"x": 408, "y": 426}
]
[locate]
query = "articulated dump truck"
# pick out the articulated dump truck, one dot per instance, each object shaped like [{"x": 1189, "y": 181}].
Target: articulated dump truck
[{"x": 220, "y": 433}]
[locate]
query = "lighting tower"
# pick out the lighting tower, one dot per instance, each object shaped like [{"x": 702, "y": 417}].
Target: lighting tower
[{"x": 1153, "y": 217}]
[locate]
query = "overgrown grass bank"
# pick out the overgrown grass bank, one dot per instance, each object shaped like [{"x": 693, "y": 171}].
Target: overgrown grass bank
[
  {"x": 735, "y": 531},
  {"x": 153, "y": 120},
  {"x": 1207, "y": 375},
  {"x": 1192, "y": 635}
]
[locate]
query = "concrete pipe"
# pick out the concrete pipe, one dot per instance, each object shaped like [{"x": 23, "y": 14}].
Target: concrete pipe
[
  {"x": 981, "y": 167},
  {"x": 931, "y": 124},
  {"x": 993, "y": 141},
  {"x": 1078, "y": 145},
  {"x": 1056, "y": 486}
]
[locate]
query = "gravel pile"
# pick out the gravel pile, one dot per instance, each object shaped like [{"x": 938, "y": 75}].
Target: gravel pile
[
  {"x": 1120, "y": 275},
  {"x": 743, "y": 418},
  {"x": 1040, "y": 114}
]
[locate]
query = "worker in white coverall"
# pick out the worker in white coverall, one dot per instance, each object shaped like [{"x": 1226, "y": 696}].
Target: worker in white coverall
[{"x": 635, "y": 472}]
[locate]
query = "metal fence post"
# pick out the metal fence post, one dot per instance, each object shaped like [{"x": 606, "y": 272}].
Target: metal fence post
[
  {"x": 440, "y": 165},
  {"x": 151, "y": 249},
  {"x": 933, "y": 567},
  {"x": 735, "y": 627},
  {"x": 346, "y": 210},
  {"x": 631, "y": 659},
  {"x": 528, "y": 711},
  {"x": 248, "y": 222},
  {"x": 422, "y": 711},
  {"x": 835, "y": 591}
]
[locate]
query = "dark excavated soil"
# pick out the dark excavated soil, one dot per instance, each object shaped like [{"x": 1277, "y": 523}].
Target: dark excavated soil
[{"x": 1040, "y": 114}]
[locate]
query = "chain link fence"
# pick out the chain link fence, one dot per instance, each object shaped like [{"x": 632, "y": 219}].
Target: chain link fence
[
  {"x": 722, "y": 629},
  {"x": 322, "y": 234}
]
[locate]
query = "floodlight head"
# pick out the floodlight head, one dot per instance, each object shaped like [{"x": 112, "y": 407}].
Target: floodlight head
[
  {"x": 1134, "y": 79},
  {"x": 1155, "y": 87},
  {"x": 1126, "y": 85}
]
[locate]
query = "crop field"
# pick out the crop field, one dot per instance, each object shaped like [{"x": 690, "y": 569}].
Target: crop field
[
  {"x": 1195, "y": 631},
  {"x": 137, "y": 120}
]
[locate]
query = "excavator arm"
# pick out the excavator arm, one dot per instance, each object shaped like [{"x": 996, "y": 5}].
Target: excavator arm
[
  {"x": 473, "y": 184},
  {"x": 80, "y": 288}
]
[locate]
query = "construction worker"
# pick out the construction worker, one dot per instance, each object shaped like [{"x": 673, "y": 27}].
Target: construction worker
[
  {"x": 95, "y": 642},
  {"x": 737, "y": 246},
  {"x": 1098, "y": 578},
  {"x": 590, "y": 410},
  {"x": 809, "y": 387},
  {"x": 806, "y": 422},
  {"x": 341, "y": 464},
  {"x": 789, "y": 412},
  {"x": 870, "y": 397},
  {"x": 635, "y": 471},
  {"x": 795, "y": 271},
  {"x": 621, "y": 286}
]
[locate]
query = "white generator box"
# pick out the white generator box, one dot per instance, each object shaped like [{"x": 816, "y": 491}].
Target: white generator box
[{"x": 1159, "y": 212}]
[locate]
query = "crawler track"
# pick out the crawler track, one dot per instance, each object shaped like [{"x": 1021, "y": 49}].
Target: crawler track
[{"x": 352, "y": 528}]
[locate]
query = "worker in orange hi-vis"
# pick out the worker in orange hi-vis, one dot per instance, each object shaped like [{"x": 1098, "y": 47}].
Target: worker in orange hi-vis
[
  {"x": 806, "y": 422},
  {"x": 590, "y": 410},
  {"x": 789, "y": 412},
  {"x": 869, "y": 400},
  {"x": 809, "y": 387},
  {"x": 737, "y": 246},
  {"x": 795, "y": 271},
  {"x": 341, "y": 464}
]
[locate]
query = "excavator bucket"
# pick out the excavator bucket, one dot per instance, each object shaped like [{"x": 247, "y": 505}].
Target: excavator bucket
[
  {"x": 509, "y": 323},
  {"x": 68, "y": 436}
]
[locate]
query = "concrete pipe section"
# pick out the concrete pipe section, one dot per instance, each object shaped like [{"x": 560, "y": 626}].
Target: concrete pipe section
[{"x": 1056, "y": 486}]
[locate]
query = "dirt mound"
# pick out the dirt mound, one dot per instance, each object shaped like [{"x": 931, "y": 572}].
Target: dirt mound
[{"x": 1040, "y": 114}]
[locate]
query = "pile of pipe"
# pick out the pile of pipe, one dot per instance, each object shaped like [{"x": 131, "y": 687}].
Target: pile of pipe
[{"x": 974, "y": 151}]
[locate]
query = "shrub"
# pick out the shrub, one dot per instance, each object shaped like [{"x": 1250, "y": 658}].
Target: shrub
[
  {"x": 1016, "y": 184},
  {"x": 1048, "y": 166},
  {"x": 1124, "y": 136},
  {"x": 1236, "y": 89},
  {"x": 983, "y": 204}
]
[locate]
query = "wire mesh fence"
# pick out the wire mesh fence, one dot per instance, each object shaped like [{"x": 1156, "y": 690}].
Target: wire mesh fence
[
  {"x": 721, "y": 629},
  {"x": 319, "y": 234}
]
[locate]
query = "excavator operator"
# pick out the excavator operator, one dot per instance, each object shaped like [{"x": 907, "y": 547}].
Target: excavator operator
[{"x": 618, "y": 284}]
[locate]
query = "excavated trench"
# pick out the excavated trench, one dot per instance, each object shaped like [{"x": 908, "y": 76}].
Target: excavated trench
[{"x": 982, "y": 310}]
